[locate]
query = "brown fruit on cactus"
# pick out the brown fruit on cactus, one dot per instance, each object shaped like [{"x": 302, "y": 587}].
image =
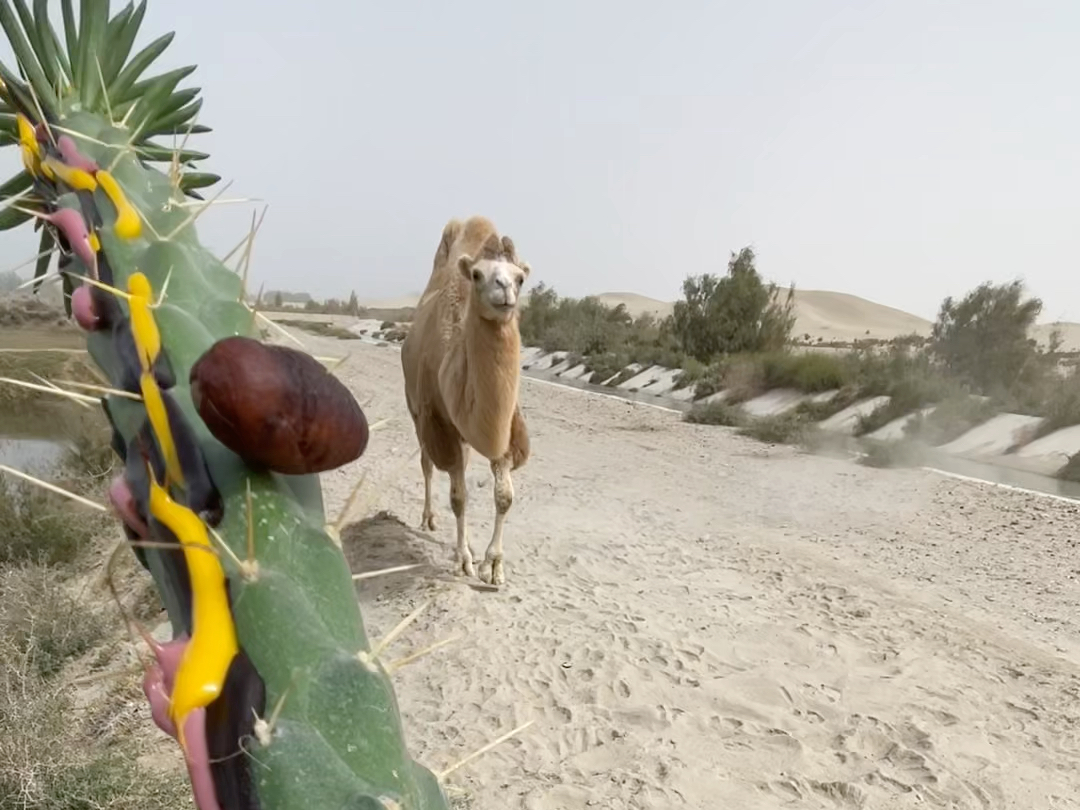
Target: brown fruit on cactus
[{"x": 277, "y": 407}]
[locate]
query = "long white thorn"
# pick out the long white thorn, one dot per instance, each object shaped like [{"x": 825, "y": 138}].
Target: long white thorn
[
  {"x": 48, "y": 278},
  {"x": 53, "y": 488},
  {"x": 104, "y": 389},
  {"x": 462, "y": 762},
  {"x": 198, "y": 212},
  {"x": 31, "y": 351},
  {"x": 394, "y": 666},
  {"x": 229, "y": 201},
  {"x": 281, "y": 329},
  {"x": 53, "y": 390},
  {"x": 58, "y": 389},
  {"x": 401, "y": 627},
  {"x": 347, "y": 507},
  {"x": 249, "y": 247},
  {"x": 383, "y": 572},
  {"x": 26, "y": 263}
]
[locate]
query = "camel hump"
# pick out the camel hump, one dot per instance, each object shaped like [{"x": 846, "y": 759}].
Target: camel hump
[{"x": 450, "y": 233}]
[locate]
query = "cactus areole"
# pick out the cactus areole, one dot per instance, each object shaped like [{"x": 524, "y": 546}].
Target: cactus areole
[{"x": 269, "y": 684}]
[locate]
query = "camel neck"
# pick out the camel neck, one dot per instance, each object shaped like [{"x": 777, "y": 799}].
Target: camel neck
[
  {"x": 493, "y": 352},
  {"x": 489, "y": 341}
]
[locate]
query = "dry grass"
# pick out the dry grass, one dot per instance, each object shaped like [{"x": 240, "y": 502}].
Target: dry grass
[{"x": 54, "y": 753}]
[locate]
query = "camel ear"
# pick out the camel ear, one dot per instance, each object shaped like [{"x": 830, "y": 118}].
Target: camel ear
[
  {"x": 465, "y": 264},
  {"x": 525, "y": 268}
]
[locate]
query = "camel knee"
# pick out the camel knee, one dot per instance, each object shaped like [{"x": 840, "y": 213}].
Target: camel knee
[
  {"x": 457, "y": 498},
  {"x": 504, "y": 499},
  {"x": 504, "y": 492}
]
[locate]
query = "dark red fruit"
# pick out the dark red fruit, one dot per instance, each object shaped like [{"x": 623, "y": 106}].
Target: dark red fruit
[{"x": 277, "y": 407}]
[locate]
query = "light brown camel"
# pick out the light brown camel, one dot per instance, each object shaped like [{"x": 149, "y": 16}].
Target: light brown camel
[{"x": 462, "y": 369}]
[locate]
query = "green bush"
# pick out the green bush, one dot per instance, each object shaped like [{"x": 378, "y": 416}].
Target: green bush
[
  {"x": 786, "y": 428},
  {"x": 1071, "y": 469},
  {"x": 811, "y": 372},
  {"x": 732, "y": 314},
  {"x": 1060, "y": 405},
  {"x": 951, "y": 418},
  {"x": 715, "y": 413}
]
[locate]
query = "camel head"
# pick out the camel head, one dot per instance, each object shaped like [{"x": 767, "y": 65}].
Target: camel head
[{"x": 496, "y": 275}]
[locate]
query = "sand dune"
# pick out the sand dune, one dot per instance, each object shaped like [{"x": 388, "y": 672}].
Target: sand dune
[
  {"x": 840, "y": 316},
  {"x": 819, "y": 313}
]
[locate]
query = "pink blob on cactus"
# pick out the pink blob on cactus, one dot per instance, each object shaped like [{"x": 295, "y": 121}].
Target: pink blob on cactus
[
  {"x": 73, "y": 157},
  {"x": 159, "y": 679},
  {"x": 154, "y": 688},
  {"x": 82, "y": 307},
  {"x": 73, "y": 226},
  {"x": 157, "y": 685},
  {"x": 122, "y": 498},
  {"x": 197, "y": 757}
]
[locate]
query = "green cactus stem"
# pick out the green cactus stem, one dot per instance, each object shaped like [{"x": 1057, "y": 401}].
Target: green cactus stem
[{"x": 270, "y": 683}]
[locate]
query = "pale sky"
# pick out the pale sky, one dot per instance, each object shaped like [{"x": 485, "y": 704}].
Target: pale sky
[{"x": 901, "y": 151}]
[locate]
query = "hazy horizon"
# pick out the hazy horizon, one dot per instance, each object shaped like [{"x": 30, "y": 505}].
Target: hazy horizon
[{"x": 897, "y": 152}]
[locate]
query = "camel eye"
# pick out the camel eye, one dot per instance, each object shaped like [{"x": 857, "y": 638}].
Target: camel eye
[
  {"x": 518, "y": 280},
  {"x": 476, "y": 275}
]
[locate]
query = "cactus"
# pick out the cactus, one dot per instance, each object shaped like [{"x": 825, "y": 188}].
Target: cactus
[{"x": 270, "y": 684}]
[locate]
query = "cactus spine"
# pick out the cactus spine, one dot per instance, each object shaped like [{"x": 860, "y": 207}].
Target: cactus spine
[{"x": 269, "y": 684}]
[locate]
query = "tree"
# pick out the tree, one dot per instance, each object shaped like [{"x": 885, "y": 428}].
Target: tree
[
  {"x": 734, "y": 313},
  {"x": 278, "y": 301},
  {"x": 353, "y": 307},
  {"x": 984, "y": 339}
]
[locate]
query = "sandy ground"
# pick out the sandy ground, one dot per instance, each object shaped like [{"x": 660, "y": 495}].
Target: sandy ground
[{"x": 697, "y": 620}]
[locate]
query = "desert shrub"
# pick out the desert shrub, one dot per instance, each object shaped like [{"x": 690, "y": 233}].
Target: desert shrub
[
  {"x": 1060, "y": 405},
  {"x": 711, "y": 380},
  {"x": 906, "y": 394},
  {"x": 1070, "y": 471},
  {"x": 715, "y": 413},
  {"x": 951, "y": 418},
  {"x": 890, "y": 454},
  {"x": 984, "y": 340},
  {"x": 624, "y": 375},
  {"x": 732, "y": 314},
  {"x": 819, "y": 411},
  {"x": 810, "y": 372},
  {"x": 42, "y": 620},
  {"x": 39, "y": 526},
  {"x": 692, "y": 371},
  {"x": 786, "y": 428},
  {"x": 321, "y": 328},
  {"x": 605, "y": 366},
  {"x": 51, "y": 758}
]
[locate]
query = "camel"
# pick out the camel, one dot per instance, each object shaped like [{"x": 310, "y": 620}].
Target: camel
[{"x": 462, "y": 368}]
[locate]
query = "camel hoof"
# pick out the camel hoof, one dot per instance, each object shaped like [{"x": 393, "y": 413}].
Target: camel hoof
[
  {"x": 427, "y": 522},
  {"x": 491, "y": 571},
  {"x": 464, "y": 566}
]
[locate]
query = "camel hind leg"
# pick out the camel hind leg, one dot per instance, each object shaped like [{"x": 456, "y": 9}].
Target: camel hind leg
[
  {"x": 440, "y": 447},
  {"x": 428, "y": 520}
]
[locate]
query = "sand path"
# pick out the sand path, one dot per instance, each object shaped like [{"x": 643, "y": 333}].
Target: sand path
[{"x": 696, "y": 620}]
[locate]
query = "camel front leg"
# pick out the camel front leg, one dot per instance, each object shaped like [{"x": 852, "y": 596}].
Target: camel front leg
[
  {"x": 427, "y": 521},
  {"x": 491, "y": 571},
  {"x": 463, "y": 556}
]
